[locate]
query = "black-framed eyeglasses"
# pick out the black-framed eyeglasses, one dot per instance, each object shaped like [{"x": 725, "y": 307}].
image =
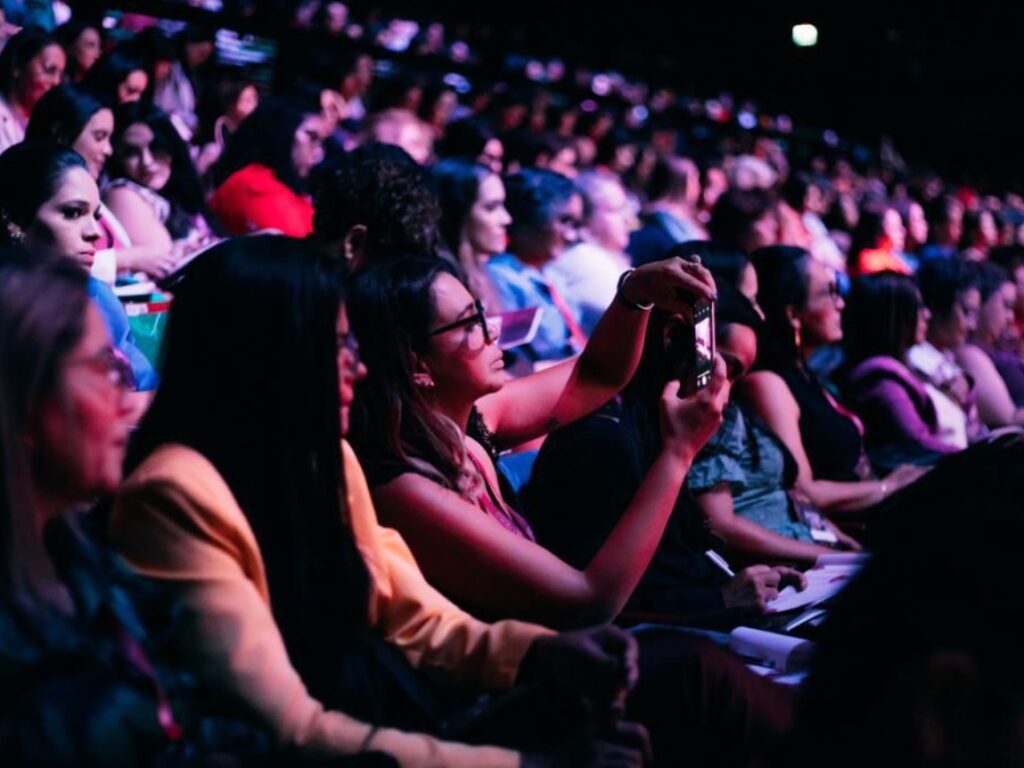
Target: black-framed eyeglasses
[
  {"x": 831, "y": 292},
  {"x": 114, "y": 365},
  {"x": 477, "y": 317}
]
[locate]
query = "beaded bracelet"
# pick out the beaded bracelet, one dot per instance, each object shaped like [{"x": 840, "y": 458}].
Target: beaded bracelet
[{"x": 622, "y": 297}]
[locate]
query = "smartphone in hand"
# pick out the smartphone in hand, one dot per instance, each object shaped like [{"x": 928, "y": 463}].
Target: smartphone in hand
[{"x": 699, "y": 374}]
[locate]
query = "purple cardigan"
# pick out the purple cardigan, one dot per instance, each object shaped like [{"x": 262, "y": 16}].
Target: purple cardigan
[{"x": 894, "y": 406}]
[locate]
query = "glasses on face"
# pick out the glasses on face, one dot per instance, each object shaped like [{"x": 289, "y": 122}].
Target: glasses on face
[
  {"x": 491, "y": 327},
  {"x": 113, "y": 365},
  {"x": 830, "y": 292},
  {"x": 568, "y": 220}
]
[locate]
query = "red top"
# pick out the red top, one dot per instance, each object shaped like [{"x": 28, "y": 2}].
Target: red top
[
  {"x": 874, "y": 260},
  {"x": 253, "y": 199}
]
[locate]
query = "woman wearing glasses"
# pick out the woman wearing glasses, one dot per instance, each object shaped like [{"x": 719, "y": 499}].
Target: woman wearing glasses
[
  {"x": 547, "y": 214},
  {"x": 436, "y": 406},
  {"x": 427, "y": 423},
  {"x": 68, "y": 627},
  {"x": 803, "y": 313}
]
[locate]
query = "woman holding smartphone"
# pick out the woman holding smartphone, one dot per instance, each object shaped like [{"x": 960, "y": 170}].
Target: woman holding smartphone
[{"x": 434, "y": 409}]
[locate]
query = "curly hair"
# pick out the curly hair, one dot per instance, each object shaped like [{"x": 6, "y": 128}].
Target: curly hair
[{"x": 380, "y": 187}]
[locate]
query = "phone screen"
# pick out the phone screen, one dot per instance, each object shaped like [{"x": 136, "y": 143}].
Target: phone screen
[{"x": 703, "y": 344}]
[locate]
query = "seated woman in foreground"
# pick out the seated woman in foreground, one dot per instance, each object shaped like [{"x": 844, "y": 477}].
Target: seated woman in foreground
[
  {"x": 803, "y": 313},
  {"x": 246, "y": 502},
  {"x": 436, "y": 389},
  {"x": 85, "y": 679},
  {"x": 436, "y": 403}
]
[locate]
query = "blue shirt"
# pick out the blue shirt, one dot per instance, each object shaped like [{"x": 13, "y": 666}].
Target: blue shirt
[
  {"x": 116, "y": 320},
  {"x": 520, "y": 286},
  {"x": 752, "y": 462}
]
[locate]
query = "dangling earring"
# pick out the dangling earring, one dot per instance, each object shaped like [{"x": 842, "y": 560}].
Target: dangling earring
[
  {"x": 423, "y": 380},
  {"x": 797, "y": 338},
  {"x": 15, "y": 234}
]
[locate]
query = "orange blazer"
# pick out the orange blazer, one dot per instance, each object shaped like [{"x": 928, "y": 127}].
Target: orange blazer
[{"x": 176, "y": 520}]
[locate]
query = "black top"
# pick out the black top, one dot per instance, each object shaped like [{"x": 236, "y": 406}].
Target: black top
[
  {"x": 96, "y": 688},
  {"x": 833, "y": 443},
  {"x": 583, "y": 481}
]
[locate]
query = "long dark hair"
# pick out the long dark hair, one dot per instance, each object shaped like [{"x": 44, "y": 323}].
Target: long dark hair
[
  {"x": 183, "y": 190},
  {"x": 19, "y": 51},
  {"x": 42, "y": 319},
  {"x": 31, "y": 172},
  {"x": 880, "y": 317},
  {"x": 109, "y": 72},
  {"x": 782, "y": 282},
  {"x": 250, "y": 381},
  {"x": 457, "y": 185},
  {"x": 465, "y": 139},
  {"x": 870, "y": 230},
  {"x": 942, "y": 282},
  {"x": 392, "y": 309},
  {"x": 62, "y": 114},
  {"x": 265, "y": 137}
]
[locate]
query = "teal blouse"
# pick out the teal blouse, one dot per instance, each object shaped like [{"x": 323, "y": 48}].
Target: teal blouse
[{"x": 752, "y": 461}]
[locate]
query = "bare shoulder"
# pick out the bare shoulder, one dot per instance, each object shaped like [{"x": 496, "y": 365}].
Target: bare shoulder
[
  {"x": 973, "y": 358},
  {"x": 767, "y": 393}
]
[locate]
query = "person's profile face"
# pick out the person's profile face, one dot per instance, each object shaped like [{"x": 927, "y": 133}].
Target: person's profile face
[
  {"x": 611, "y": 219},
  {"x": 493, "y": 155},
  {"x": 132, "y": 87},
  {"x": 42, "y": 72},
  {"x": 821, "y": 316},
  {"x": 924, "y": 317},
  {"x": 563, "y": 227},
  {"x": 67, "y": 224},
  {"x": 350, "y": 368},
  {"x": 246, "y": 103},
  {"x": 749, "y": 287},
  {"x": 463, "y": 361},
  {"x": 93, "y": 143},
  {"x": 997, "y": 313},
  {"x": 962, "y": 320},
  {"x": 87, "y": 49},
  {"x": 307, "y": 145},
  {"x": 764, "y": 231},
  {"x": 81, "y": 432},
  {"x": 486, "y": 227}
]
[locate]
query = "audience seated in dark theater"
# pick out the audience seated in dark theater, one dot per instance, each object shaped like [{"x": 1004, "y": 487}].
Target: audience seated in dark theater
[{"x": 297, "y": 605}]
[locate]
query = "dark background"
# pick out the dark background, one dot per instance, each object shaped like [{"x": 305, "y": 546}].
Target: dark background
[{"x": 942, "y": 78}]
